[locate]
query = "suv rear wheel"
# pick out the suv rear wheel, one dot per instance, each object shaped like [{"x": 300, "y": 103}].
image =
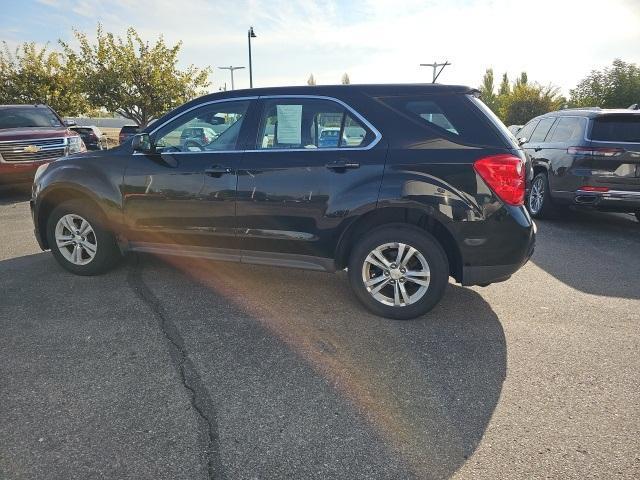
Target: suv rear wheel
[
  {"x": 79, "y": 240},
  {"x": 539, "y": 200},
  {"x": 398, "y": 271}
]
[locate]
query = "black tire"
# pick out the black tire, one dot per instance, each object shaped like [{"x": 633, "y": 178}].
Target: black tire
[
  {"x": 539, "y": 201},
  {"x": 107, "y": 253},
  {"x": 425, "y": 244}
]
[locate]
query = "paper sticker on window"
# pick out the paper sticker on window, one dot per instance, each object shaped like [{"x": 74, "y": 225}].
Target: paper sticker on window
[{"x": 289, "y": 124}]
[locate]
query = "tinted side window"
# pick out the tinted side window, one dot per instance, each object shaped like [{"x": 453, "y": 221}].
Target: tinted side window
[
  {"x": 541, "y": 131},
  {"x": 450, "y": 116},
  {"x": 526, "y": 131},
  {"x": 295, "y": 123},
  {"x": 567, "y": 129}
]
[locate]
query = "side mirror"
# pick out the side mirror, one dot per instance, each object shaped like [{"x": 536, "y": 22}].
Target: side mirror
[
  {"x": 141, "y": 143},
  {"x": 522, "y": 140}
]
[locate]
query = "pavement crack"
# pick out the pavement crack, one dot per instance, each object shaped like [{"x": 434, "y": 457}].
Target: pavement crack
[{"x": 200, "y": 398}]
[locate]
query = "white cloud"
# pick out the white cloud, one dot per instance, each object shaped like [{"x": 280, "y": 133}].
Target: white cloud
[{"x": 385, "y": 40}]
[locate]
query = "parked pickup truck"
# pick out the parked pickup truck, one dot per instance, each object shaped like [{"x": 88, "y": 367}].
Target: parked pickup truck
[{"x": 31, "y": 135}]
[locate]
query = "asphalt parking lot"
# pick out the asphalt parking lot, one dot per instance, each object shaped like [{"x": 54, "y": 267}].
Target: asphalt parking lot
[{"x": 181, "y": 369}]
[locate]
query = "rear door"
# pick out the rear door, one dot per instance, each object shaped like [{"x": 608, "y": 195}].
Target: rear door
[
  {"x": 295, "y": 191},
  {"x": 615, "y": 159}
]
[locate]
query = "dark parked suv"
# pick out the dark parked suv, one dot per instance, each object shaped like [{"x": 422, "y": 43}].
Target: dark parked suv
[
  {"x": 429, "y": 185},
  {"x": 585, "y": 157}
]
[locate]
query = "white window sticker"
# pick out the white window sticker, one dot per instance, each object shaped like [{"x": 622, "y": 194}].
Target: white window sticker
[{"x": 290, "y": 124}]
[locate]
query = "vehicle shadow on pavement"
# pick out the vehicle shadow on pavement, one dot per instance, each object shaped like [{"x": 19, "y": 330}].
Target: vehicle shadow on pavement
[
  {"x": 426, "y": 389},
  {"x": 594, "y": 252}
]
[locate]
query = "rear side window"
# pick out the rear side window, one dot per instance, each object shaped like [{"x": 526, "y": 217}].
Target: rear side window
[
  {"x": 541, "y": 131},
  {"x": 451, "y": 116},
  {"x": 309, "y": 123},
  {"x": 568, "y": 129},
  {"x": 616, "y": 128},
  {"x": 526, "y": 131}
]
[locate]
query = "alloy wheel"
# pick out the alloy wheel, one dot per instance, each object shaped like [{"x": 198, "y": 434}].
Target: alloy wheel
[
  {"x": 536, "y": 196},
  {"x": 76, "y": 239},
  {"x": 396, "y": 274}
]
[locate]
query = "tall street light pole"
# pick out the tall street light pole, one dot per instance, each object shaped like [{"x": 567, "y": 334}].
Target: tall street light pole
[
  {"x": 250, "y": 35},
  {"x": 435, "y": 66},
  {"x": 231, "y": 69}
]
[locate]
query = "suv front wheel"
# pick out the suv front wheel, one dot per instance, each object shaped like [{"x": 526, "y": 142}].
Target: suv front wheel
[
  {"x": 79, "y": 240},
  {"x": 398, "y": 271}
]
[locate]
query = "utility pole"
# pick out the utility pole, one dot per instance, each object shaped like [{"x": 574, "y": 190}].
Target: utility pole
[
  {"x": 231, "y": 69},
  {"x": 435, "y": 66}
]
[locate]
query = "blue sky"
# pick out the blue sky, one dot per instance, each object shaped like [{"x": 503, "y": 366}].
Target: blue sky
[{"x": 373, "y": 41}]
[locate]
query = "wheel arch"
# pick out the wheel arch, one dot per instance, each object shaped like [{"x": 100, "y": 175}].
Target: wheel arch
[
  {"x": 404, "y": 215},
  {"x": 51, "y": 199}
]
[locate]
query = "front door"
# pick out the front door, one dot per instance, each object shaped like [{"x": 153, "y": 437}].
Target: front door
[
  {"x": 314, "y": 163},
  {"x": 183, "y": 194}
]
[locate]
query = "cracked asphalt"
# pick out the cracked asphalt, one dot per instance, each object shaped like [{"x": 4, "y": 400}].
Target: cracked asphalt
[{"x": 170, "y": 368}]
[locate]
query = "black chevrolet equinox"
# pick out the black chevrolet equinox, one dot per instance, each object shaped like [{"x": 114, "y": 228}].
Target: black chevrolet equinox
[{"x": 403, "y": 185}]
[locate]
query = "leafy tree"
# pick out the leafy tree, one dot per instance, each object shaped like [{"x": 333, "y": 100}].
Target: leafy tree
[
  {"x": 134, "y": 78},
  {"x": 523, "y": 79},
  {"x": 617, "y": 86},
  {"x": 505, "y": 86},
  {"x": 311, "y": 80},
  {"x": 527, "y": 101},
  {"x": 345, "y": 79},
  {"x": 487, "y": 91},
  {"x": 32, "y": 74}
]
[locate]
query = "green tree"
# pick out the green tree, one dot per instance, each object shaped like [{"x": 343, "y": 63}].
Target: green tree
[
  {"x": 134, "y": 78},
  {"x": 505, "y": 86},
  {"x": 617, "y": 86},
  {"x": 528, "y": 100},
  {"x": 487, "y": 91},
  {"x": 311, "y": 80},
  {"x": 32, "y": 74},
  {"x": 345, "y": 79}
]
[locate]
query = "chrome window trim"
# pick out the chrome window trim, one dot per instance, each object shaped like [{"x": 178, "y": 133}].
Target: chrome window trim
[
  {"x": 210, "y": 102},
  {"x": 372, "y": 144}
]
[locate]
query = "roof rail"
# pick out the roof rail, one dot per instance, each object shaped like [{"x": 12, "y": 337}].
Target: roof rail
[{"x": 582, "y": 108}]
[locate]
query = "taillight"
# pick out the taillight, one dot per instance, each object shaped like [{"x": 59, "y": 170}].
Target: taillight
[
  {"x": 589, "y": 188},
  {"x": 595, "y": 151},
  {"x": 505, "y": 175}
]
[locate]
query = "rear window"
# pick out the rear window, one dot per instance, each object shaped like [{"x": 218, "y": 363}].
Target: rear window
[
  {"x": 129, "y": 129},
  {"x": 20, "y": 117},
  {"x": 616, "y": 128},
  {"x": 451, "y": 116}
]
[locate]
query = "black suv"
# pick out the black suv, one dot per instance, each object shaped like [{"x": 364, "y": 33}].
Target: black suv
[
  {"x": 587, "y": 157},
  {"x": 423, "y": 183}
]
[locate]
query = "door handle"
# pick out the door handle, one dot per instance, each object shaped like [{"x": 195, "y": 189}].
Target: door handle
[
  {"x": 217, "y": 171},
  {"x": 342, "y": 165}
]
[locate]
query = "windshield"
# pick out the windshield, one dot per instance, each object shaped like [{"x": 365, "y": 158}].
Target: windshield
[{"x": 20, "y": 117}]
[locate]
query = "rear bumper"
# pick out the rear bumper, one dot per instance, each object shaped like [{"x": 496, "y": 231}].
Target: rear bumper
[
  {"x": 613, "y": 200},
  {"x": 508, "y": 245}
]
